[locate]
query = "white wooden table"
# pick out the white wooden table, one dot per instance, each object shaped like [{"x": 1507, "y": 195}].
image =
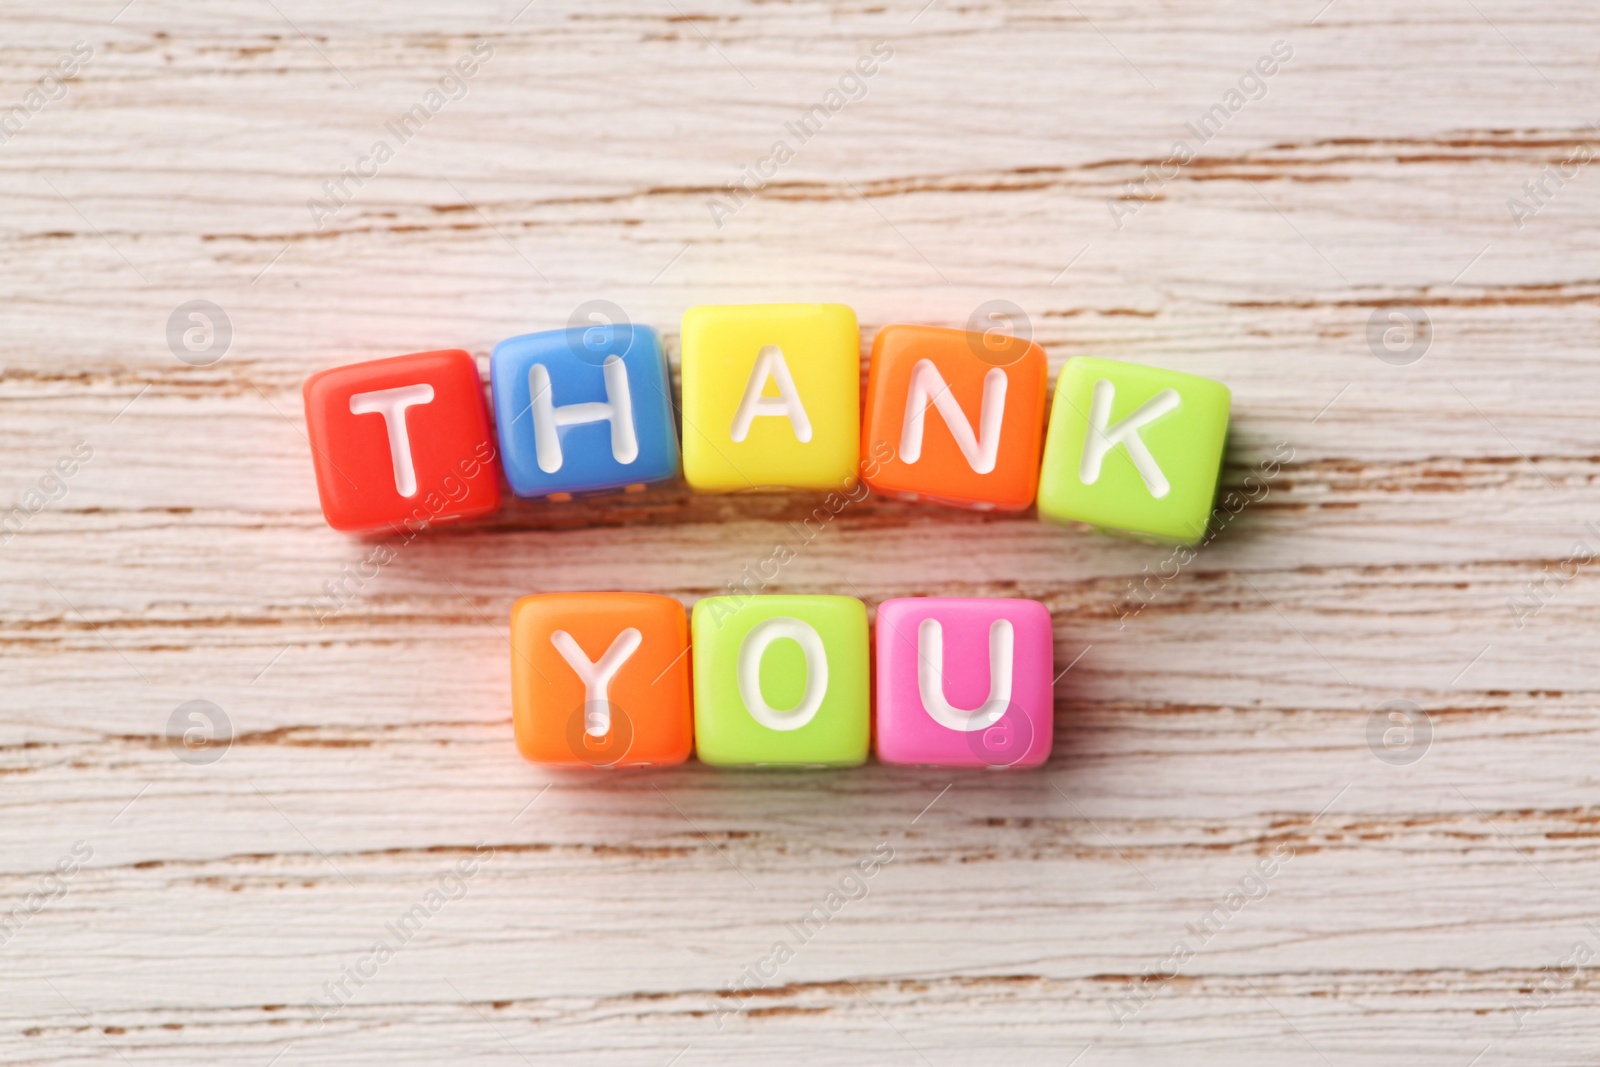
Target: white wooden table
[{"x": 1421, "y": 908}]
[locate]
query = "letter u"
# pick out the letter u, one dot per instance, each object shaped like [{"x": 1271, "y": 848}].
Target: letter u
[{"x": 930, "y": 677}]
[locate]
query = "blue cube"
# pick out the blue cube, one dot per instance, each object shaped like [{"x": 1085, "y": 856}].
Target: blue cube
[{"x": 583, "y": 409}]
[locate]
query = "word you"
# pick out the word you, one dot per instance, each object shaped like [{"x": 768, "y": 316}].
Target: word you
[
  {"x": 1252, "y": 86},
  {"x": 608, "y": 680}
]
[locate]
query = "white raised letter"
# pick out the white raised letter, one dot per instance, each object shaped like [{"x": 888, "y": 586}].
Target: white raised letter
[
  {"x": 930, "y": 678},
  {"x": 597, "y": 676},
  {"x": 1102, "y": 439},
  {"x": 754, "y": 648},
  {"x": 927, "y": 384},
  {"x": 617, "y": 410},
  {"x": 392, "y": 404},
  {"x": 770, "y": 364}
]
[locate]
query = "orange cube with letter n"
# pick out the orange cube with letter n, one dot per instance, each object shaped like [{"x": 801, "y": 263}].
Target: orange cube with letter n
[{"x": 955, "y": 417}]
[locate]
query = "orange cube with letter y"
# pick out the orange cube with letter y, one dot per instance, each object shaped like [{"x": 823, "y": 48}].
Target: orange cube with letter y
[
  {"x": 601, "y": 679},
  {"x": 954, "y": 416}
]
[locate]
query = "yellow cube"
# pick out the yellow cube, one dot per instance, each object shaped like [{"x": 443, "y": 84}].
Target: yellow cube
[{"x": 771, "y": 397}]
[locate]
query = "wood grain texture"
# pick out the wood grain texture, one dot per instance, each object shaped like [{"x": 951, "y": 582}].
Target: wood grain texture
[{"x": 1423, "y": 914}]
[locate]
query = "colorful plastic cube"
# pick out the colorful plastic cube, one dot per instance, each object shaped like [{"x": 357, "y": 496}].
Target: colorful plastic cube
[
  {"x": 399, "y": 441},
  {"x": 965, "y": 682},
  {"x": 583, "y": 409},
  {"x": 601, "y": 679},
  {"x": 771, "y": 396},
  {"x": 781, "y": 681},
  {"x": 1134, "y": 450},
  {"x": 955, "y": 417}
]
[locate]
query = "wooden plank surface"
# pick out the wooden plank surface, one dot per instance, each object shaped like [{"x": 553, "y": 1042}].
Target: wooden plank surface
[{"x": 1215, "y": 866}]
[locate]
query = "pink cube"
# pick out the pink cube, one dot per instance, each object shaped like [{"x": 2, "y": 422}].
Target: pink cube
[{"x": 965, "y": 682}]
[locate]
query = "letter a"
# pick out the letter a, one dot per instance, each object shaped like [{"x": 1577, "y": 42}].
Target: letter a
[
  {"x": 928, "y": 385},
  {"x": 930, "y": 677},
  {"x": 392, "y": 404},
  {"x": 1102, "y": 439},
  {"x": 770, "y": 364},
  {"x": 617, "y": 410},
  {"x": 597, "y": 676}
]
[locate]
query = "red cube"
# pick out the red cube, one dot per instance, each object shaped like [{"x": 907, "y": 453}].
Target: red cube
[{"x": 402, "y": 441}]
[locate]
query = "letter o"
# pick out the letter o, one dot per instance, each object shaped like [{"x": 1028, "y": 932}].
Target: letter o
[{"x": 754, "y": 648}]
